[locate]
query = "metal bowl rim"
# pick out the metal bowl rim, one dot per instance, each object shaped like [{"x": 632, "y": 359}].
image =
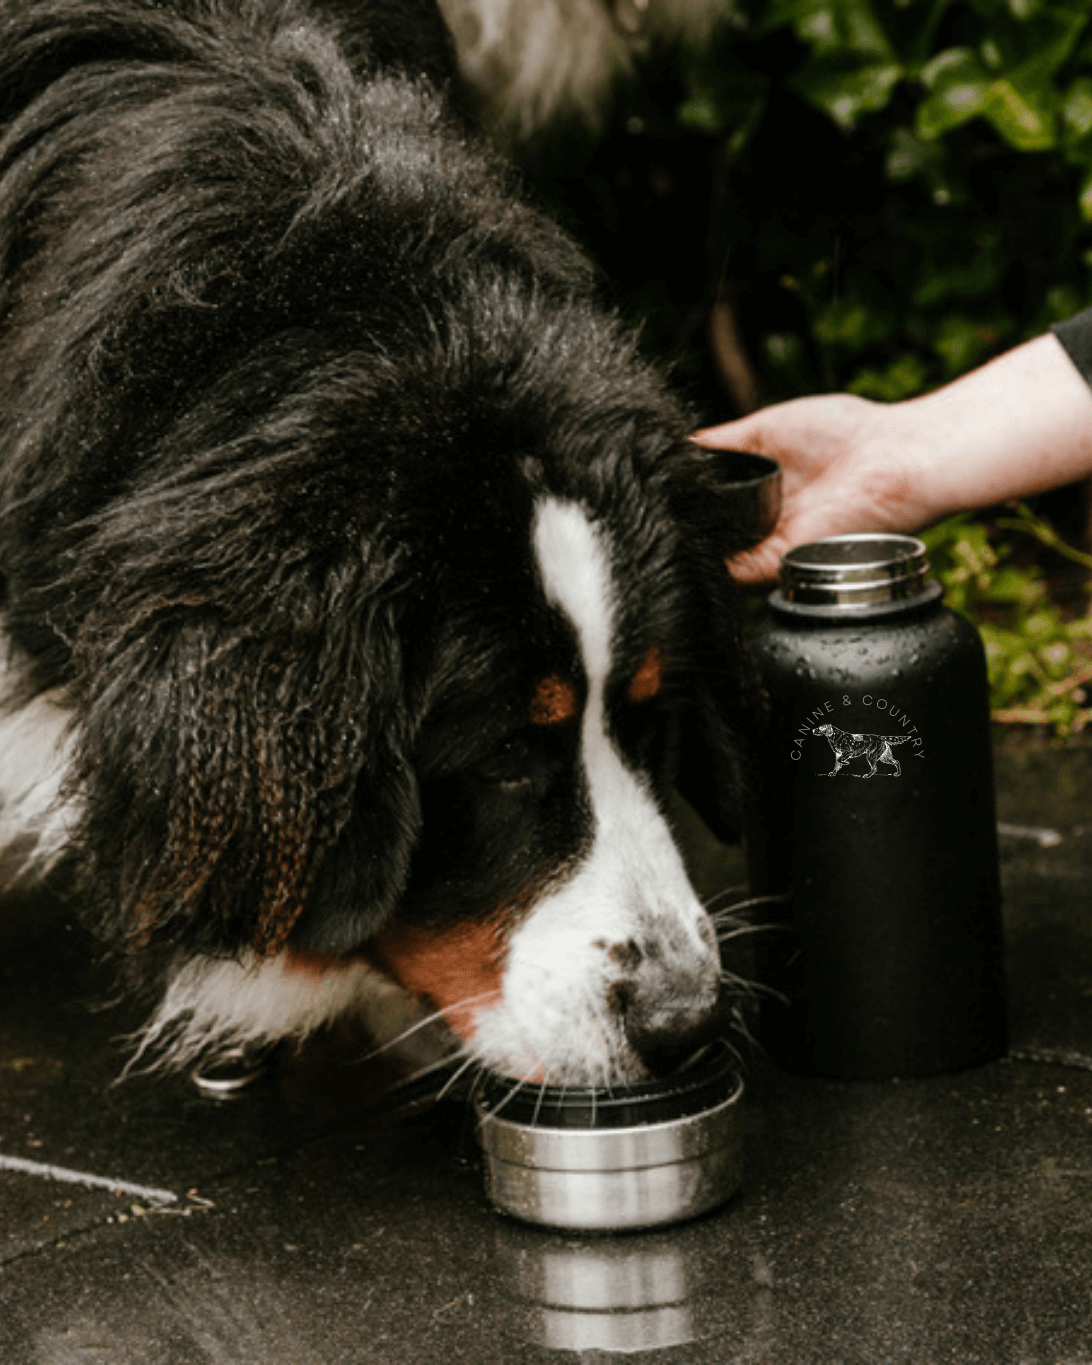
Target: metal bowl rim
[
  {"x": 638, "y": 1147},
  {"x": 713, "y": 1063}
]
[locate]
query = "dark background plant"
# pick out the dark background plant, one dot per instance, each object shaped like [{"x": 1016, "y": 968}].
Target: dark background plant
[{"x": 875, "y": 196}]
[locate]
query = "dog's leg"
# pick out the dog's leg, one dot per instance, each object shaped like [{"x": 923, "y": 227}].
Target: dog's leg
[
  {"x": 871, "y": 761},
  {"x": 837, "y": 762}
]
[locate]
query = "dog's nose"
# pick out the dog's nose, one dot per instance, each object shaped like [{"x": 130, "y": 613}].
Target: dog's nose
[
  {"x": 664, "y": 1038},
  {"x": 668, "y": 1015}
]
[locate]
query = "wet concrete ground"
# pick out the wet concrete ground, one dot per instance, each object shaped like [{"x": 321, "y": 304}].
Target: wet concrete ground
[{"x": 924, "y": 1222}]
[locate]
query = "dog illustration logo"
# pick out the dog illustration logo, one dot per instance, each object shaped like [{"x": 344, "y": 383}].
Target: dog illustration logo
[{"x": 873, "y": 749}]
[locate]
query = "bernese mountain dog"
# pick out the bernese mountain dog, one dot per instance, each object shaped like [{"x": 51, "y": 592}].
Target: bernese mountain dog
[{"x": 362, "y": 596}]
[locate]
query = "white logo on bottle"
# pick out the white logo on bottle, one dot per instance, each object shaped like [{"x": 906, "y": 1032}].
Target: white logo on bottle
[
  {"x": 874, "y": 749},
  {"x": 850, "y": 744}
]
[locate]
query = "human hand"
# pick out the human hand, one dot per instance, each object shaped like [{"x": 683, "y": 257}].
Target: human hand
[
  {"x": 1015, "y": 427},
  {"x": 847, "y": 465}
]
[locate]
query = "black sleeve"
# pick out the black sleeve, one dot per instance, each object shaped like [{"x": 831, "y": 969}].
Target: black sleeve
[{"x": 1075, "y": 334}]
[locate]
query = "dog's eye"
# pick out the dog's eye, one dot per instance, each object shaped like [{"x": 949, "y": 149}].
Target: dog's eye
[{"x": 508, "y": 768}]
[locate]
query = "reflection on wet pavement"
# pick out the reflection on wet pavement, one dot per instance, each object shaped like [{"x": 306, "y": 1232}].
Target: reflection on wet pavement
[{"x": 936, "y": 1221}]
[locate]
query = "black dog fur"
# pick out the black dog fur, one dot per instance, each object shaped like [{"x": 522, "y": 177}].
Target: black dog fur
[{"x": 285, "y": 360}]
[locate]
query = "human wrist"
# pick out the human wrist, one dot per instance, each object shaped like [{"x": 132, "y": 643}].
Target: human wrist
[
  {"x": 894, "y": 457},
  {"x": 1017, "y": 426}
]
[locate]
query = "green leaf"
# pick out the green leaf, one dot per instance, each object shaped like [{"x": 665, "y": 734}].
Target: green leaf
[
  {"x": 963, "y": 342},
  {"x": 1061, "y": 301},
  {"x": 958, "y": 265},
  {"x": 832, "y": 27},
  {"x": 853, "y": 323},
  {"x": 1009, "y": 81},
  {"x": 1077, "y": 108},
  {"x": 903, "y": 378},
  {"x": 909, "y": 156},
  {"x": 1084, "y": 198},
  {"x": 720, "y": 97},
  {"x": 1053, "y": 42},
  {"x": 1041, "y": 626},
  {"x": 958, "y": 86},
  {"x": 779, "y": 13},
  {"x": 845, "y": 92},
  {"x": 787, "y": 362},
  {"x": 1023, "y": 112},
  {"x": 846, "y": 25},
  {"x": 1044, "y": 39},
  {"x": 1016, "y": 586},
  {"x": 1055, "y": 658}
]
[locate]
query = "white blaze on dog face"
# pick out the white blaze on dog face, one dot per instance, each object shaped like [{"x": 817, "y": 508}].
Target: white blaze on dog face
[
  {"x": 600, "y": 959},
  {"x": 630, "y": 894},
  {"x": 35, "y": 753}
]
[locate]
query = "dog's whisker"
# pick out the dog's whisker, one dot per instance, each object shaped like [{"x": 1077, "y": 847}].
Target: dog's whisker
[
  {"x": 454, "y": 1078},
  {"x": 735, "y": 1052},
  {"x": 727, "y": 932},
  {"x": 717, "y": 899},
  {"x": 779, "y": 898},
  {"x": 734, "y": 980},
  {"x": 420, "y": 1087},
  {"x": 746, "y": 987},
  {"x": 437, "y": 1016},
  {"x": 377, "y": 1051},
  {"x": 538, "y": 1102},
  {"x": 441, "y": 1064},
  {"x": 755, "y": 1047},
  {"x": 477, "y": 1082},
  {"x": 743, "y": 1029},
  {"x": 520, "y": 1083}
]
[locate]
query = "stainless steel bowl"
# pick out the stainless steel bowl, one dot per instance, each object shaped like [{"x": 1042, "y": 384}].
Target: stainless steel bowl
[{"x": 605, "y": 1160}]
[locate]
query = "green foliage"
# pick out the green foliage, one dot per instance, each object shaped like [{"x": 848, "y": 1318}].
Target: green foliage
[
  {"x": 918, "y": 173},
  {"x": 1005, "y": 61},
  {"x": 1039, "y": 658},
  {"x": 962, "y": 230}
]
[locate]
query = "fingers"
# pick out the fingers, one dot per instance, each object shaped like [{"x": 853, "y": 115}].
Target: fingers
[
  {"x": 807, "y": 433},
  {"x": 744, "y": 434},
  {"x": 760, "y": 564},
  {"x": 834, "y": 479}
]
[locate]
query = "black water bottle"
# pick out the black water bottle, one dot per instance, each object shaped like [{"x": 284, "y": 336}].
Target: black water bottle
[{"x": 876, "y": 820}]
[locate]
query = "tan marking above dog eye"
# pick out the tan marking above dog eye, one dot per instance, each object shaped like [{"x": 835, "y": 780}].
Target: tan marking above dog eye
[
  {"x": 554, "y": 702},
  {"x": 645, "y": 683}
]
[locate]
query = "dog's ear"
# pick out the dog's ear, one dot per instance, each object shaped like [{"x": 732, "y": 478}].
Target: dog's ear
[
  {"x": 726, "y": 503},
  {"x": 220, "y": 765},
  {"x": 713, "y": 757},
  {"x": 715, "y": 763}
]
